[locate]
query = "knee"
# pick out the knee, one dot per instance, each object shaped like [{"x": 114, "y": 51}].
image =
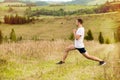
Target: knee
[{"x": 66, "y": 50}]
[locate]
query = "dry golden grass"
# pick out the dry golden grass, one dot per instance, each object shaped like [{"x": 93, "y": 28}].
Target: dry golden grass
[
  {"x": 35, "y": 60},
  {"x": 61, "y": 27}
]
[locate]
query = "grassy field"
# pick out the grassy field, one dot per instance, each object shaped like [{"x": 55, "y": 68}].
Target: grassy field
[
  {"x": 50, "y": 7},
  {"x": 35, "y": 60},
  {"x": 50, "y": 27},
  {"x": 20, "y": 10},
  {"x": 65, "y": 7}
]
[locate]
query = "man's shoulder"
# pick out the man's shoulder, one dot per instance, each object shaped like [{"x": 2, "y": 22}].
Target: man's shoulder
[{"x": 81, "y": 28}]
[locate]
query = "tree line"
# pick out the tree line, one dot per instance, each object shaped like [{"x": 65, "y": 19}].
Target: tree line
[
  {"x": 11, "y": 19},
  {"x": 107, "y": 7},
  {"x": 60, "y": 12}
]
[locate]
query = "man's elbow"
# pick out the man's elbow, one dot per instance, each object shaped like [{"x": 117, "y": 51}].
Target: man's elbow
[{"x": 77, "y": 38}]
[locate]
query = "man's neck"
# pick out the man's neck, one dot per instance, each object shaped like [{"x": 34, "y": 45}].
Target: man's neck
[{"x": 79, "y": 26}]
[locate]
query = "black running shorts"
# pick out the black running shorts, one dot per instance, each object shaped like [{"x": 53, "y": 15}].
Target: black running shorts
[{"x": 81, "y": 50}]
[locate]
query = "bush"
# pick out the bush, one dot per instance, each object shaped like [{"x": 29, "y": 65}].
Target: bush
[
  {"x": 6, "y": 39},
  {"x": 100, "y": 38},
  {"x": 13, "y": 36},
  {"x": 89, "y": 35},
  {"x": 1, "y": 37},
  {"x": 107, "y": 41},
  {"x": 19, "y": 38},
  {"x": 71, "y": 37}
]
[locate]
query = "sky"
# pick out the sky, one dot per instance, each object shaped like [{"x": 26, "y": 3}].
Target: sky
[
  {"x": 56, "y": 0},
  {"x": 48, "y": 0}
]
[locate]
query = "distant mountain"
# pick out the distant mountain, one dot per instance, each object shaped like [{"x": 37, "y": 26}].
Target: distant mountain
[
  {"x": 38, "y": 3},
  {"x": 11, "y": 0},
  {"x": 41, "y": 3},
  {"x": 86, "y": 2}
]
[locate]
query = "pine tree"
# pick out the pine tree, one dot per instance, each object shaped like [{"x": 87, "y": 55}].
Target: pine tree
[
  {"x": 1, "y": 37},
  {"x": 89, "y": 35},
  {"x": 13, "y": 36},
  {"x": 100, "y": 38}
]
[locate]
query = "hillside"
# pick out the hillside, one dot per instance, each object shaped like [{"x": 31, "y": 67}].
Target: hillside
[
  {"x": 81, "y": 2},
  {"x": 41, "y": 3},
  {"x": 49, "y": 28},
  {"x": 86, "y": 2}
]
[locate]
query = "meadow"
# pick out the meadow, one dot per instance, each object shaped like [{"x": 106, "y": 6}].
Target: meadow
[
  {"x": 36, "y": 61},
  {"x": 50, "y": 27},
  {"x": 31, "y": 59}
]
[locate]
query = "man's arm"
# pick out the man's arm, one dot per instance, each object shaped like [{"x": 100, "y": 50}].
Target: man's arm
[{"x": 75, "y": 35}]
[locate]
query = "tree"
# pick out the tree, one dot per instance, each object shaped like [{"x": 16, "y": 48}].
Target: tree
[
  {"x": 13, "y": 36},
  {"x": 17, "y": 19},
  {"x": 89, "y": 35},
  {"x": 107, "y": 41},
  {"x": 100, "y": 38},
  {"x": 1, "y": 37}
]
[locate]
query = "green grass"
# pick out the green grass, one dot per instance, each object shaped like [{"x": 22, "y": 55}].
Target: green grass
[
  {"x": 35, "y": 60},
  {"x": 50, "y": 27},
  {"x": 29, "y": 63},
  {"x": 65, "y": 7}
]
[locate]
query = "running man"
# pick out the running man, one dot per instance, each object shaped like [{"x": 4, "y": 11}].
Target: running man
[{"x": 79, "y": 45}]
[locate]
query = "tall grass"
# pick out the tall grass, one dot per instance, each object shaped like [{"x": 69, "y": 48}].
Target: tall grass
[
  {"x": 113, "y": 73},
  {"x": 35, "y": 60}
]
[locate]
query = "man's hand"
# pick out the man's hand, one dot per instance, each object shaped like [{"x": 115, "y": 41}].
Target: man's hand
[
  {"x": 74, "y": 31},
  {"x": 75, "y": 35}
]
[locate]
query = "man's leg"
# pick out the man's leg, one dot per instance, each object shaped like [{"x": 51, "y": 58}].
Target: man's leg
[
  {"x": 92, "y": 57},
  {"x": 69, "y": 48}
]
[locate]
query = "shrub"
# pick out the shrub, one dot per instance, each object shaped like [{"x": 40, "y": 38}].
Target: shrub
[
  {"x": 89, "y": 35},
  {"x": 1, "y": 37},
  {"x": 71, "y": 37},
  {"x": 6, "y": 39},
  {"x": 19, "y": 38},
  {"x": 100, "y": 38},
  {"x": 13, "y": 36},
  {"x": 107, "y": 41}
]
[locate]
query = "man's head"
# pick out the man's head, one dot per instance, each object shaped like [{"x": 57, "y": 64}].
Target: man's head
[{"x": 79, "y": 22}]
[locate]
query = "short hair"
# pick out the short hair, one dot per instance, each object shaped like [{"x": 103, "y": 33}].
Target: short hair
[{"x": 80, "y": 21}]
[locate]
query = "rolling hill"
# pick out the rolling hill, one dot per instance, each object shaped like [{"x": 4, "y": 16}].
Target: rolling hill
[
  {"x": 86, "y": 2},
  {"x": 81, "y": 2}
]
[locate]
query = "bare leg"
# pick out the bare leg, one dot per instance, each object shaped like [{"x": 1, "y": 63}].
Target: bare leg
[
  {"x": 69, "y": 48},
  {"x": 91, "y": 57}
]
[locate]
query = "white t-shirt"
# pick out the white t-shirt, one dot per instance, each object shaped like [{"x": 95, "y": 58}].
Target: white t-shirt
[{"x": 79, "y": 43}]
